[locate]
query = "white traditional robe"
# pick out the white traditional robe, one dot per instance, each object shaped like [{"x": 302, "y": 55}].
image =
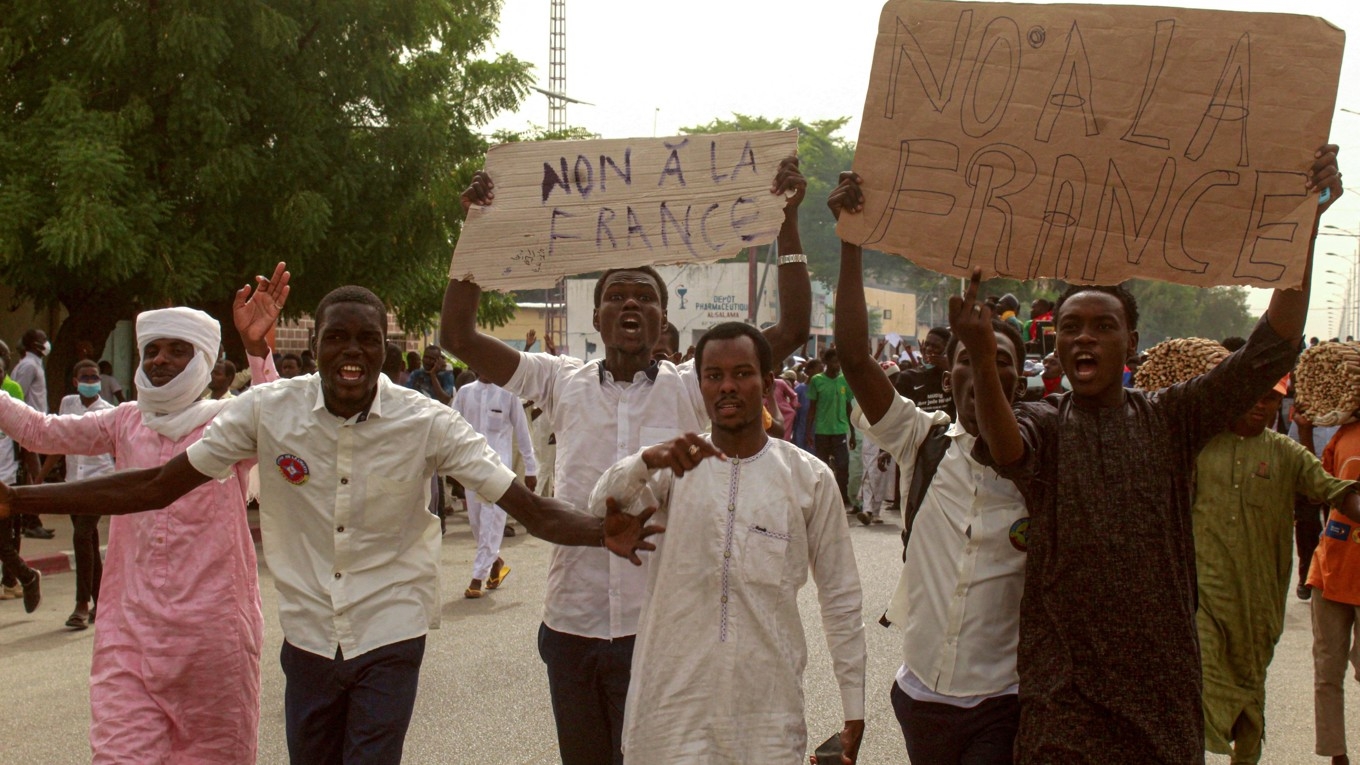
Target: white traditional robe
[{"x": 717, "y": 672}]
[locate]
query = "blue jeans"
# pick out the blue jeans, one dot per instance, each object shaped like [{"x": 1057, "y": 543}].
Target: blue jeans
[
  {"x": 942, "y": 734},
  {"x": 588, "y": 681},
  {"x": 349, "y": 711}
]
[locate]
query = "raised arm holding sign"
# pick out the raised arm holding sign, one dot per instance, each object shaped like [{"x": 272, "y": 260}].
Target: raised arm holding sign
[
  {"x": 1094, "y": 143},
  {"x": 602, "y": 411}
]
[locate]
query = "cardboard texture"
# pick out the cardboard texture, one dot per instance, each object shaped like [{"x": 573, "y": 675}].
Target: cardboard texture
[
  {"x": 1095, "y": 143},
  {"x": 568, "y": 207}
]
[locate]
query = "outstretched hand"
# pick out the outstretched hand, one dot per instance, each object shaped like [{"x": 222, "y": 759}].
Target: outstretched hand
[
  {"x": 971, "y": 320},
  {"x": 847, "y": 196},
  {"x": 255, "y": 311},
  {"x": 789, "y": 179},
  {"x": 680, "y": 454},
  {"x": 481, "y": 193},
  {"x": 625, "y": 534}
]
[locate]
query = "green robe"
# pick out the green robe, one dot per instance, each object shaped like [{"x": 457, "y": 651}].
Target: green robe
[{"x": 1244, "y": 525}]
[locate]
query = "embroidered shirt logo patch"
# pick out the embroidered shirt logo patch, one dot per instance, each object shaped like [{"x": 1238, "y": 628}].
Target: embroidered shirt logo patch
[
  {"x": 1020, "y": 535},
  {"x": 293, "y": 469}
]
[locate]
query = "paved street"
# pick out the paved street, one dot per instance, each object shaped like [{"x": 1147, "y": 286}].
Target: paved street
[{"x": 483, "y": 696}]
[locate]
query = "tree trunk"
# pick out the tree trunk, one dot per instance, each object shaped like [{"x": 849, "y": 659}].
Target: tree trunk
[
  {"x": 92, "y": 317},
  {"x": 231, "y": 340}
]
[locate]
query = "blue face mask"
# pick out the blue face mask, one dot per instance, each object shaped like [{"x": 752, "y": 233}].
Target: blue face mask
[{"x": 88, "y": 389}]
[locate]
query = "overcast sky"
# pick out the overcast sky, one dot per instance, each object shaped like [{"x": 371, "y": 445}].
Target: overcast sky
[{"x": 652, "y": 68}]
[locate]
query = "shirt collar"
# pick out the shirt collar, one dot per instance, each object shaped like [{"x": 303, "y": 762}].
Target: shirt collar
[
  {"x": 374, "y": 408},
  {"x": 651, "y": 371}
]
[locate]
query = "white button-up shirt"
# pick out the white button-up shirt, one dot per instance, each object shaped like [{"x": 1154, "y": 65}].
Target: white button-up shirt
[
  {"x": 599, "y": 421},
  {"x": 718, "y": 664},
  {"x": 964, "y": 574},
  {"x": 346, "y": 532},
  {"x": 83, "y": 466},
  {"x": 497, "y": 414}
]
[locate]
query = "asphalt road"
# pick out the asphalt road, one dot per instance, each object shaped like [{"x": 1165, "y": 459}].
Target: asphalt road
[{"x": 483, "y": 695}]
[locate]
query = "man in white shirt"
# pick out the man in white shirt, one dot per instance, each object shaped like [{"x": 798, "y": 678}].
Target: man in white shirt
[
  {"x": 602, "y": 411},
  {"x": 32, "y": 377},
  {"x": 958, "y": 598},
  {"x": 17, "y": 579},
  {"x": 79, "y": 467},
  {"x": 347, "y": 459},
  {"x": 718, "y": 668},
  {"x": 497, "y": 414}
]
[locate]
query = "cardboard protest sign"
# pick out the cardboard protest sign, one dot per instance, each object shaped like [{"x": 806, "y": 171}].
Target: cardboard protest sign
[
  {"x": 1095, "y": 143},
  {"x": 567, "y": 207}
]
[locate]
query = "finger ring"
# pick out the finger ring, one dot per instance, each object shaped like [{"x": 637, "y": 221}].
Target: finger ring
[
  {"x": 693, "y": 450},
  {"x": 977, "y": 309}
]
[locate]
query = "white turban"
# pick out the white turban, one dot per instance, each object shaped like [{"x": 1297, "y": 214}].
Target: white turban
[{"x": 176, "y": 408}]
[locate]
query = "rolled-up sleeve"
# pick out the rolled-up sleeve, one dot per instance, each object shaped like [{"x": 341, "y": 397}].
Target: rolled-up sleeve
[
  {"x": 232, "y": 436},
  {"x": 464, "y": 454}
]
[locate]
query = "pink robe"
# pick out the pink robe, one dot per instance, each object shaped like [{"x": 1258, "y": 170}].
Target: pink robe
[{"x": 175, "y": 675}]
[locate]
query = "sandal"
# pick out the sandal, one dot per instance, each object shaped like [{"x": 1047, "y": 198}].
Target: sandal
[
  {"x": 499, "y": 571},
  {"x": 78, "y": 621}
]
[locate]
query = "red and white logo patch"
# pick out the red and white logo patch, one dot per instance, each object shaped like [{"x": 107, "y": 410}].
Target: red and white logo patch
[{"x": 293, "y": 469}]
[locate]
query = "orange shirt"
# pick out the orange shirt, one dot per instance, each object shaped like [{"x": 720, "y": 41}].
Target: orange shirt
[{"x": 1335, "y": 570}]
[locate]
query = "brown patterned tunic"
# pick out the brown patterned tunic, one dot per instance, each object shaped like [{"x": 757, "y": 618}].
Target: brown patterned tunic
[{"x": 1108, "y": 656}]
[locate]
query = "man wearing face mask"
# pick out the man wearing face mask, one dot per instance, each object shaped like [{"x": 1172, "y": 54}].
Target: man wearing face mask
[
  {"x": 175, "y": 673},
  {"x": 85, "y": 528},
  {"x": 31, "y": 377},
  {"x": 924, "y": 385}
]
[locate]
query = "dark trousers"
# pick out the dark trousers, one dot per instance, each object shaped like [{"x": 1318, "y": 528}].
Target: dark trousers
[
  {"x": 588, "y": 681},
  {"x": 13, "y": 566},
  {"x": 941, "y": 734},
  {"x": 89, "y": 566},
  {"x": 833, "y": 451},
  {"x": 1307, "y": 531},
  {"x": 349, "y": 711}
]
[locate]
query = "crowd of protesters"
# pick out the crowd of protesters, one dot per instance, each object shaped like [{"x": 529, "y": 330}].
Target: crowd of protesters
[{"x": 1016, "y": 453}]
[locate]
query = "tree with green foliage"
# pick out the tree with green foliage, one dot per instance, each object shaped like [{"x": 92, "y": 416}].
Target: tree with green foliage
[{"x": 156, "y": 153}]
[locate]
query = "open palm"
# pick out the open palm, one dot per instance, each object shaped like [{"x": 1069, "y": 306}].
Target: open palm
[{"x": 255, "y": 311}]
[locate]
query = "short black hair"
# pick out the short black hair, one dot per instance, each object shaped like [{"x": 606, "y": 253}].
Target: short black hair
[
  {"x": 228, "y": 367},
  {"x": 731, "y": 330},
  {"x": 648, "y": 270},
  {"x": 1011, "y": 333},
  {"x": 293, "y": 356},
  {"x": 350, "y": 293},
  {"x": 393, "y": 364},
  {"x": 671, "y": 332},
  {"x": 812, "y": 363},
  {"x": 433, "y": 347},
  {"x": 829, "y": 355},
  {"x": 79, "y": 365},
  {"x": 1118, "y": 291},
  {"x": 939, "y": 333},
  {"x": 105, "y": 367},
  {"x": 30, "y": 336},
  {"x": 1233, "y": 343}
]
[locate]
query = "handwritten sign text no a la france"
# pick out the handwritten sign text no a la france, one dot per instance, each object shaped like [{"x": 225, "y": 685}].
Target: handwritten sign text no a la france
[
  {"x": 568, "y": 207},
  {"x": 1095, "y": 143}
]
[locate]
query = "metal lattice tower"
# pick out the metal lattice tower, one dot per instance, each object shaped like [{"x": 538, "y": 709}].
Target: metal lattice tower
[{"x": 557, "y": 66}]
